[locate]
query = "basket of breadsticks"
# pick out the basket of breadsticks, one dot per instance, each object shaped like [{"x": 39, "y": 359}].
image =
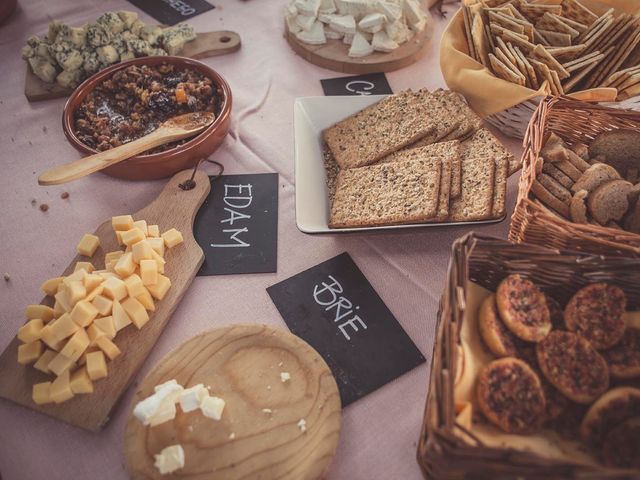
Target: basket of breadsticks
[
  {"x": 505, "y": 56},
  {"x": 580, "y": 183},
  {"x": 536, "y": 365}
]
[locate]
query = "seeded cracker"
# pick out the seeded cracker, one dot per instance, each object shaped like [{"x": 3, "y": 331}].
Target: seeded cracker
[
  {"x": 476, "y": 198},
  {"x": 331, "y": 169},
  {"x": 577, "y": 12}
]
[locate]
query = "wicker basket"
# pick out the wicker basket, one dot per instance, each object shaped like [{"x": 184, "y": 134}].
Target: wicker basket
[
  {"x": 532, "y": 222},
  {"x": 442, "y": 452}
]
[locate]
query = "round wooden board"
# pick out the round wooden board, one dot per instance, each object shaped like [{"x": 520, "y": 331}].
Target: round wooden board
[
  {"x": 333, "y": 55},
  {"x": 242, "y": 365}
]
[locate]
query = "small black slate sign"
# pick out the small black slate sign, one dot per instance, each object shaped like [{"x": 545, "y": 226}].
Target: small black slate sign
[
  {"x": 237, "y": 226},
  {"x": 170, "y": 12},
  {"x": 335, "y": 309},
  {"x": 369, "y": 84}
]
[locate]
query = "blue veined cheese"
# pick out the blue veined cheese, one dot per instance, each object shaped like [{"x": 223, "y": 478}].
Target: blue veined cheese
[
  {"x": 69, "y": 78},
  {"x": 107, "y": 54},
  {"x": 71, "y": 59},
  {"x": 158, "y": 52},
  {"x": 173, "y": 42},
  {"x": 74, "y": 35},
  {"x": 90, "y": 63},
  {"x": 111, "y": 22},
  {"x": 136, "y": 27},
  {"x": 97, "y": 35},
  {"x": 128, "y": 55},
  {"x": 27, "y": 52},
  {"x": 43, "y": 69},
  {"x": 127, "y": 18},
  {"x": 151, "y": 34},
  {"x": 40, "y": 48},
  {"x": 139, "y": 47},
  {"x": 52, "y": 33},
  {"x": 186, "y": 30}
]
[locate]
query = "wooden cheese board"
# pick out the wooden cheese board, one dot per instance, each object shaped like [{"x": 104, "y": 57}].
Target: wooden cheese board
[
  {"x": 205, "y": 45},
  {"x": 242, "y": 365},
  {"x": 173, "y": 207}
]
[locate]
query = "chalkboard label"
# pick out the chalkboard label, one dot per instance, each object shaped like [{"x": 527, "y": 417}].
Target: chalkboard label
[
  {"x": 335, "y": 309},
  {"x": 237, "y": 226},
  {"x": 370, "y": 84},
  {"x": 170, "y": 12}
]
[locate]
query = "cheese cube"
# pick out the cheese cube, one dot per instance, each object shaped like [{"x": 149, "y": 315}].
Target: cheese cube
[
  {"x": 106, "y": 325},
  {"x": 92, "y": 281},
  {"x": 122, "y": 222},
  {"x": 83, "y": 358},
  {"x": 166, "y": 412},
  {"x": 109, "y": 348},
  {"x": 83, "y": 313},
  {"x": 119, "y": 237},
  {"x": 103, "y": 305},
  {"x": 159, "y": 260},
  {"x": 212, "y": 407},
  {"x": 157, "y": 244},
  {"x": 153, "y": 231},
  {"x": 50, "y": 339},
  {"x": 64, "y": 327},
  {"x": 96, "y": 365},
  {"x": 87, "y": 266},
  {"x": 31, "y": 331},
  {"x": 88, "y": 245},
  {"x": 134, "y": 285},
  {"x": 94, "y": 333},
  {"x": 125, "y": 265},
  {"x": 41, "y": 393},
  {"x": 58, "y": 309},
  {"x": 141, "y": 251},
  {"x": 61, "y": 388},
  {"x": 172, "y": 238},
  {"x": 75, "y": 291},
  {"x": 136, "y": 312},
  {"x": 160, "y": 289},
  {"x": 105, "y": 275},
  {"x": 142, "y": 225},
  {"x": 149, "y": 272},
  {"x": 191, "y": 398},
  {"x": 43, "y": 362},
  {"x": 166, "y": 384},
  {"x": 76, "y": 345},
  {"x": 132, "y": 236},
  {"x": 50, "y": 287},
  {"x": 60, "y": 364},
  {"x": 170, "y": 459},
  {"x": 77, "y": 276},
  {"x": 39, "y": 311},
  {"x": 120, "y": 317},
  {"x": 94, "y": 293},
  {"x": 114, "y": 288},
  {"x": 111, "y": 256},
  {"x": 147, "y": 301},
  {"x": 29, "y": 352},
  {"x": 80, "y": 382},
  {"x": 62, "y": 299}
]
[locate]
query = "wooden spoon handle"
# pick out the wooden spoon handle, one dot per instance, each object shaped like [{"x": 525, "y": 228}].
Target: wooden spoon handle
[{"x": 84, "y": 166}]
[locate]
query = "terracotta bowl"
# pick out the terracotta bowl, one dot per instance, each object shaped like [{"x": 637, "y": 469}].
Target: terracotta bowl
[{"x": 162, "y": 164}]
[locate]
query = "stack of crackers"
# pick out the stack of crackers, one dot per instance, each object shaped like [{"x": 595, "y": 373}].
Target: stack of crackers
[
  {"x": 415, "y": 157},
  {"x": 565, "y": 45}
]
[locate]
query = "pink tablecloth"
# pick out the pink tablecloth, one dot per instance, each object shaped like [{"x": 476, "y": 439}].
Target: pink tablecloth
[{"x": 380, "y": 431}]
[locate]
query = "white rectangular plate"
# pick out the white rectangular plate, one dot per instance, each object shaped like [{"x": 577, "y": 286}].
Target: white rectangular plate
[{"x": 311, "y": 115}]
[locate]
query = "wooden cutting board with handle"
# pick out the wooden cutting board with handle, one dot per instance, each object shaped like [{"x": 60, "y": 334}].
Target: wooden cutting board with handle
[
  {"x": 173, "y": 208},
  {"x": 258, "y": 435},
  {"x": 205, "y": 45}
]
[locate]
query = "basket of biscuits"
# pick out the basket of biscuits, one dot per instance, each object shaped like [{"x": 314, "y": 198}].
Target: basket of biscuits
[
  {"x": 535, "y": 366},
  {"x": 506, "y": 56},
  {"x": 580, "y": 184}
]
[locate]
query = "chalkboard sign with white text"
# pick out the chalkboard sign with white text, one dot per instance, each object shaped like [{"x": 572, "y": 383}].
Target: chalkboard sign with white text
[
  {"x": 170, "y": 12},
  {"x": 237, "y": 226},
  {"x": 369, "y": 84},
  {"x": 335, "y": 309}
]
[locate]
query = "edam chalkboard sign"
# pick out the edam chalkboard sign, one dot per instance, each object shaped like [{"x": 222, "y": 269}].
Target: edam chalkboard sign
[
  {"x": 237, "y": 226},
  {"x": 336, "y": 310},
  {"x": 369, "y": 84},
  {"x": 170, "y": 12}
]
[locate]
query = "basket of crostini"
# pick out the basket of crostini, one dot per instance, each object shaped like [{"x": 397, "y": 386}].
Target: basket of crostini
[
  {"x": 536, "y": 365},
  {"x": 580, "y": 183}
]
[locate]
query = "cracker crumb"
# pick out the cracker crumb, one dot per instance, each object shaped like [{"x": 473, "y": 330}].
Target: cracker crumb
[
  {"x": 268, "y": 387},
  {"x": 302, "y": 425},
  {"x": 267, "y": 410},
  {"x": 280, "y": 364},
  {"x": 44, "y": 207},
  {"x": 232, "y": 435},
  {"x": 7, "y": 277},
  {"x": 285, "y": 376},
  {"x": 64, "y": 195}
]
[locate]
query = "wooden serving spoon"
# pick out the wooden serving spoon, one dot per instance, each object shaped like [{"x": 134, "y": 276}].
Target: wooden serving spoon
[{"x": 176, "y": 128}]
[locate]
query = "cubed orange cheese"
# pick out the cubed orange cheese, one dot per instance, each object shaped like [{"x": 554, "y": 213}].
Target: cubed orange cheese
[
  {"x": 159, "y": 260},
  {"x": 142, "y": 225},
  {"x": 122, "y": 222},
  {"x": 94, "y": 333},
  {"x": 120, "y": 317},
  {"x": 134, "y": 285},
  {"x": 88, "y": 245},
  {"x": 43, "y": 362},
  {"x": 39, "y": 311},
  {"x": 60, "y": 364},
  {"x": 96, "y": 365},
  {"x": 83, "y": 313},
  {"x": 62, "y": 299},
  {"x": 64, "y": 327},
  {"x": 132, "y": 236},
  {"x": 153, "y": 231},
  {"x": 106, "y": 325},
  {"x": 147, "y": 301},
  {"x": 105, "y": 275},
  {"x": 160, "y": 289},
  {"x": 102, "y": 304},
  {"x": 76, "y": 345},
  {"x": 87, "y": 266},
  {"x": 149, "y": 272},
  {"x": 94, "y": 293},
  {"x": 157, "y": 244},
  {"x": 31, "y": 331},
  {"x": 111, "y": 256},
  {"x": 83, "y": 358},
  {"x": 58, "y": 309},
  {"x": 114, "y": 288},
  {"x": 41, "y": 393},
  {"x": 50, "y": 339},
  {"x": 50, "y": 287},
  {"x": 61, "y": 388},
  {"x": 125, "y": 265},
  {"x": 172, "y": 238},
  {"x": 109, "y": 348},
  {"x": 92, "y": 281},
  {"x": 119, "y": 237},
  {"x": 75, "y": 291},
  {"x": 30, "y": 352},
  {"x": 141, "y": 251},
  {"x": 80, "y": 382},
  {"x": 136, "y": 312},
  {"x": 77, "y": 276}
]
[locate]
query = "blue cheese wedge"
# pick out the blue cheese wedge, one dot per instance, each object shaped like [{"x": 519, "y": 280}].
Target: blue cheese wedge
[
  {"x": 127, "y": 18},
  {"x": 69, "y": 59},
  {"x": 107, "y": 54},
  {"x": 173, "y": 41},
  {"x": 315, "y": 36},
  {"x": 111, "y": 21},
  {"x": 360, "y": 47},
  {"x": 69, "y": 79},
  {"x": 97, "y": 35},
  {"x": 43, "y": 69},
  {"x": 382, "y": 43},
  {"x": 151, "y": 34},
  {"x": 90, "y": 63},
  {"x": 344, "y": 24}
]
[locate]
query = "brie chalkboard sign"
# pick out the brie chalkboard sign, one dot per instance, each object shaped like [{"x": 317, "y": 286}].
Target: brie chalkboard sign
[
  {"x": 170, "y": 12},
  {"x": 237, "y": 226},
  {"x": 335, "y": 309},
  {"x": 369, "y": 84}
]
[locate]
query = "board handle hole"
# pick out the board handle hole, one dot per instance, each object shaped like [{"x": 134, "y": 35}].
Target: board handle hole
[{"x": 225, "y": 39}]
